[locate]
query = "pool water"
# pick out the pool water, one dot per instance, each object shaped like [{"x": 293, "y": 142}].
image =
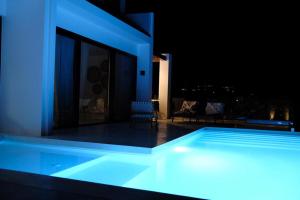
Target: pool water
[
  {"x": 111, "y": 169},
  {"x": 39, "y": 159},
  {"x": 221, "y": 171},
  {"x": 210, "y": 163}
]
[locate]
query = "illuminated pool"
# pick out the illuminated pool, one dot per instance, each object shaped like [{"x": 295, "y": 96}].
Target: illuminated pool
[{"x": 210, "y": 163}]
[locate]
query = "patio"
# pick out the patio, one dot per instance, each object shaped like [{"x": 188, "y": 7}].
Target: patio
[
  {"x": 143, "y": 135},
  {"x": 124, "y": 134}
]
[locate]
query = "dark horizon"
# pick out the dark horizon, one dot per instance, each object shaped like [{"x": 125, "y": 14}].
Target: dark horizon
[{"x": 249, "y": 46}]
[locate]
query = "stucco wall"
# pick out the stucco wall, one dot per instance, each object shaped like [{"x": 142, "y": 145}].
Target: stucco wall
[
  {"x": 2, "y": 7},
  {"x": 21, "y": 72}
]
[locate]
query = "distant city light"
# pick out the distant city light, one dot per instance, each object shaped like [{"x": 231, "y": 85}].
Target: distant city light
[
  {"x": 287, "y": 113},
  {"x": 272, "y": 114}
]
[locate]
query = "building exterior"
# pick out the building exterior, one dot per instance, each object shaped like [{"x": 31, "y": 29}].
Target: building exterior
[{"x": 29, "y": 53}]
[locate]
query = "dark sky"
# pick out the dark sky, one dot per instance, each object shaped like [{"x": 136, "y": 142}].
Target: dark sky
[{"x": 247, "y": 45}]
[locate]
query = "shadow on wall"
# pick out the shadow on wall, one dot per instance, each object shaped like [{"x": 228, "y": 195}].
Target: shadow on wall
[{"x": 16, "y": 129}]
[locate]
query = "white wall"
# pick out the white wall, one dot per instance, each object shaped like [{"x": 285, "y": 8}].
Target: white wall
[
  {"x": 165, "y": 70},
  {"x": 28, "y": 56},
  {"x": 2, "y": 7},
  {"x": 23, "y": 60},
  {"x": 48, "y": 65},
  {"x": 91, "y": 22},
  {"x": 144, "y": 83}
]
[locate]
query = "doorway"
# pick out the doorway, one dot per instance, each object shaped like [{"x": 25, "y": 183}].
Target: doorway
[
  {"x": 123, "y": 88},
  {"x": 161, "y": 88},
  {"x": 94, "y": 83},
  {"x": 65, "y": 109}
]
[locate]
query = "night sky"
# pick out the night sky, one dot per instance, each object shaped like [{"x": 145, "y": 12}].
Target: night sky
[{"x": 249, "y": 46}]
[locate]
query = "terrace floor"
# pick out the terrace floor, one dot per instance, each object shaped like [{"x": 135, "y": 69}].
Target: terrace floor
[
  {"x": 123, "y": 134},
  {"x": 142, "y": 134}
]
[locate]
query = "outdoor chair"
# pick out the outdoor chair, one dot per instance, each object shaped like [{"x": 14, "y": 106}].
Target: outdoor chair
[
  {"x": 212, "y": 112},
  {"x": 188, "y": 110},
  {"x": 143, "y": 111}
]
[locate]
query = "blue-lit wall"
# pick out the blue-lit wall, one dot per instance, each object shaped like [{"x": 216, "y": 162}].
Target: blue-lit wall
[
  {"x": 144, "y": 82},
  {"x": 145, "y": 53},
  {"x": 144, "y": 20},
  {"x": 22, "y": 67},
  {"x": 2, "y": 7},
  {"x": 89, "y": 21},
  {"x": 27, "y": 77}
]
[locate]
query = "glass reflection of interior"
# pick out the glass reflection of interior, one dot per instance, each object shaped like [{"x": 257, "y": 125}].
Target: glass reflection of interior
[{"x": 94, "y": 84}]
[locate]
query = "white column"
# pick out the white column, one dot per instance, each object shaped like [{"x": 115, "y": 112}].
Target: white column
[
  {"x": 144, "y": 73},
  {"x": 164, "y": 94},
  {"x": 48, "y": 66}
]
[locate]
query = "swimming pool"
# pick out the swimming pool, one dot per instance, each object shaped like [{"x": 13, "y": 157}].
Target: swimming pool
[{"x": 210, "y": 163}]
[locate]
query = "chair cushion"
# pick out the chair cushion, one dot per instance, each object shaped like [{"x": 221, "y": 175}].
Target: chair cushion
[
  {"x": 213, "y": 108},
  {"x": 188, "y": 105}
]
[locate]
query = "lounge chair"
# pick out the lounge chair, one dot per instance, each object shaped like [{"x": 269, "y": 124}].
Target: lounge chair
[
  {"x": 211, "y": 112},
  {"x": 188, "y": 110}
]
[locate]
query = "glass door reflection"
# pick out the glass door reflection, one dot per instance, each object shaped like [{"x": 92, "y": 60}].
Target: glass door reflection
[{"x": 94, "y": 84}]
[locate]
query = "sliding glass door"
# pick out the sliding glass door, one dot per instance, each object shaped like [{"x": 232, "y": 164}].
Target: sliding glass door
[
  {"x": 94, "y": 84},
  {"x": 124, "y": 85},
  {"x": 64, "y": 90}
]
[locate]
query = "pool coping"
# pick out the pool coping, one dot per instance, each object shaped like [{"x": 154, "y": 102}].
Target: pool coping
[
  {"x": 77, "y": 144},
  {"x": 92, "y": 146}
]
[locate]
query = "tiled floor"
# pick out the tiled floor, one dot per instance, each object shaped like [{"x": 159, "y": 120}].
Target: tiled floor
[
  {"x": 141, "y": 135},
  {"x": 123, "y": 134}
]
